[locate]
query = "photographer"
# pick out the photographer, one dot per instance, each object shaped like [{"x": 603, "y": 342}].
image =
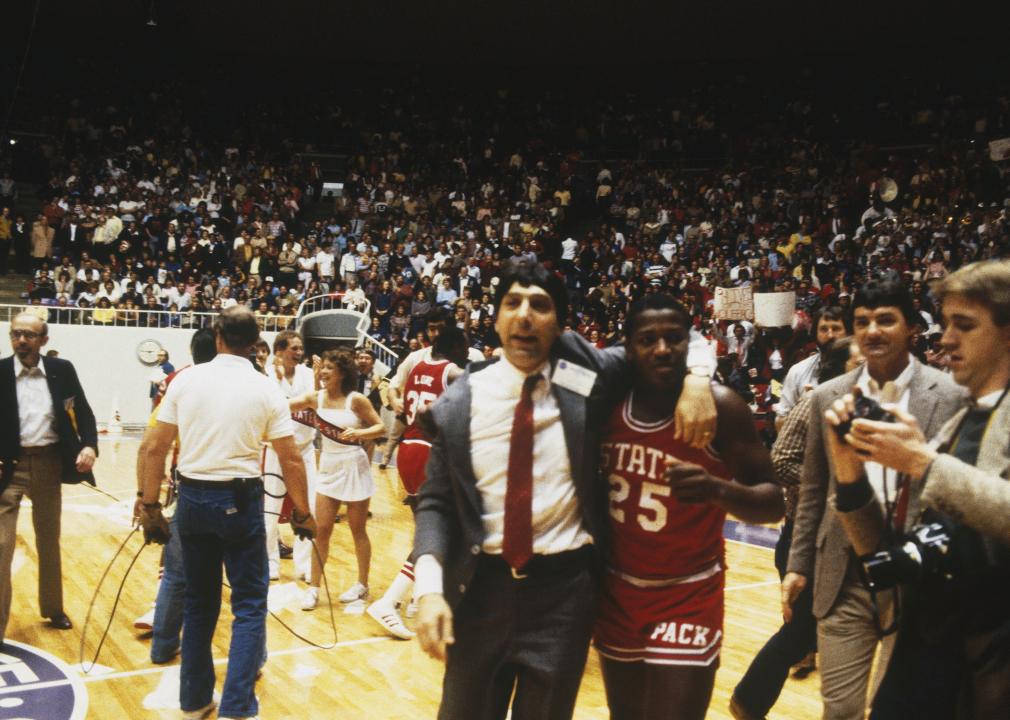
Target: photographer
[
  {"x": 950, "y": 542},
  {"x": 848, "y": 633}
]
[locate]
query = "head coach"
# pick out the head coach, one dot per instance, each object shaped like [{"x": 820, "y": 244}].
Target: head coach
[
  {"x": 222, "y": 411},
  {"x": 514, "y": 507}
]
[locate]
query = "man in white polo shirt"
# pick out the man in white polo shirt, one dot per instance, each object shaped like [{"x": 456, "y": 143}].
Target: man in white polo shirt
[{"x": 221, "y": 411}]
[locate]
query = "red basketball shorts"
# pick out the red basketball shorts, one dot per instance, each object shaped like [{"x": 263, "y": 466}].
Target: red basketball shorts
[
  {"x": 674, "y": 625},
  {"x": 410, "y": 461}
]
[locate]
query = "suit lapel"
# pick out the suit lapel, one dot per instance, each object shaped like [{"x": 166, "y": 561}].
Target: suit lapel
[
  {"x": 12, "y": 395},
  {"x": 922, "y": 400},
  {"x": 52, "y": 381},
  {"x": 992, "y": 456}
]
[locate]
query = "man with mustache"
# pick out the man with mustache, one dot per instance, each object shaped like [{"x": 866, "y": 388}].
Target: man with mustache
[{"x": 848, "y": 631}]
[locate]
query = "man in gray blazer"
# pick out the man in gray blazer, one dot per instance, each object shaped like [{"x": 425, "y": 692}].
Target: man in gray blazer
[
  {"x": 883, "y": 324},
  {"x": 513, "y": 509},
  {"x": 952, "y": 657}
]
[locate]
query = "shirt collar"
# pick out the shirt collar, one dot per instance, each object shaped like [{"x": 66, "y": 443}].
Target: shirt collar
[
  {"x": 18, "y": 367},
  {"x": 989, "y": 400},
  {"x": 515, "y": 377},
  {"x": 229, "y": 359},
  {"x": 901, "y": 382}
]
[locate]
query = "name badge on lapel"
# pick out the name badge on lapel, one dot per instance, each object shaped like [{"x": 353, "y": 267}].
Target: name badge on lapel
[{"x": 574, "y": 377}]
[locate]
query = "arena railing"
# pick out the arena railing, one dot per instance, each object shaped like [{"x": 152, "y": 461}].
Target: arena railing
[
  {"x": 338, "y": 301},
  {"x": 115, "y": 317},
  {"x": 190, "y": 320}
]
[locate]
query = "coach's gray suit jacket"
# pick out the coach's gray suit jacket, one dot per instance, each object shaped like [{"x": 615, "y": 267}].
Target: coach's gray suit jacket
[
  {"x": 820, "y": 546},
  {"x": 449, "y": 510}
]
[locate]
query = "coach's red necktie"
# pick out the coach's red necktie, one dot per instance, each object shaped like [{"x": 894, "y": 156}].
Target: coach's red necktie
[{"x": 517, "y": 545}]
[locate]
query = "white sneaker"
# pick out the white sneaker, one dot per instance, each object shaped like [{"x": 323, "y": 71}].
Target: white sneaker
[
  {"x": 200, "y": 714},
  {"x": 411, "y": 609},
  {"x": 145, "y": 621},
  {"x": 386, "y": 615},
  {"x": 310, "y": 599},
  {"x": 357, "y": 591},
  {"x": 275, "y": 570}
]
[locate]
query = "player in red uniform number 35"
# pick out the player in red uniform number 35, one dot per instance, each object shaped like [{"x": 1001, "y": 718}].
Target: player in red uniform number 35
[
  {"x": 427, "y": 380},
  {"x": 659, "y": 629}
]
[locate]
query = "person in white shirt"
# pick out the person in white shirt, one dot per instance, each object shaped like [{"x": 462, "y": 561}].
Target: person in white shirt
[
  {"x": 829, "y": 324},
  {"x": 510, "y": 510},
  {"x": 40, "y": 449},
  {"x": 568, "y": 248},
  {"x": 354, "y": 296},
  {"x": 221, "y": 411},
  {"x": 294, "y": 380},
  {"x": 325, "y": 261}
]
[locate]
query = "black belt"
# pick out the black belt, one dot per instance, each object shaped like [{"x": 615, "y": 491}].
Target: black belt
[
  {"x": 541, "y": 566},
  {"x": 232, "y": 484}
]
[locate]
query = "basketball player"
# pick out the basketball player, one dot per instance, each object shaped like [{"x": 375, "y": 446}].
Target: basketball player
[
  {"x": 659, "y": 629},
  {"x": 437, "y": 319},
  {"x": 427, "y": 380}
]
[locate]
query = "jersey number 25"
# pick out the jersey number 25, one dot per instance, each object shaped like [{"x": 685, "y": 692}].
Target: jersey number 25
[{"x": 650, "y": 512}]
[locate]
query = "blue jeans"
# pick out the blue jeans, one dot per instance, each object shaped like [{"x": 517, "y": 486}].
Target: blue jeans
[
  {"x": 215, "y": 526},
  {"x": 168, "y": 607}
]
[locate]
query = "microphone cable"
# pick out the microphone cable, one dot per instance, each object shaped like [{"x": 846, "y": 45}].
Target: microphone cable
[{"x": 87, "y": 668}]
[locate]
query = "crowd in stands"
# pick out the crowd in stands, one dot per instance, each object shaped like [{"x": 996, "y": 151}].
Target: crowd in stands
[{"x": 157, "y": 210}]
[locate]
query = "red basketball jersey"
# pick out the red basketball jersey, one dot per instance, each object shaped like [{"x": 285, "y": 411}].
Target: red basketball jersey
[
  {"x": 427, "y": 380},
  {"x": 652, "y": 534}
]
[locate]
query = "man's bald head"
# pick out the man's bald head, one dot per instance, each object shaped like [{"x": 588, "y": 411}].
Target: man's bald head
[
  {"x": 29, "y": 334},
  {"x": 237, "y": 330}
]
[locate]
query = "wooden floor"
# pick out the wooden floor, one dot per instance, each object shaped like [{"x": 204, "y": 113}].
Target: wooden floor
[{"x": 368, "y": 675}]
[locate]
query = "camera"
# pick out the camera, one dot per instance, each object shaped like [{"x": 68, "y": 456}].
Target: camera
[
  {"x": 866, "y": 409},
  {"x": 921, "y": 555}
]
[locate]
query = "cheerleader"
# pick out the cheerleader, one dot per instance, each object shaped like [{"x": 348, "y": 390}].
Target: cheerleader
[{"x": 345, "y": 419}]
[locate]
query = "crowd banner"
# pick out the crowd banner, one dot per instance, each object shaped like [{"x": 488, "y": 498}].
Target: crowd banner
[
  {"x": 734, "y": 303},
  {"x": 999, "y": 150},
  {"x": 774, "y": 309}
]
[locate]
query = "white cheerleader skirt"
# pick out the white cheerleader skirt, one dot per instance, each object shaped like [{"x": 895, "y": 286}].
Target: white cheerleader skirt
[{"x": 345, "y": 475}]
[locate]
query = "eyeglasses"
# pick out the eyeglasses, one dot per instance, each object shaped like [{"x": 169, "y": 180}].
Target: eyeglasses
[{"x": 26, "y": 334}]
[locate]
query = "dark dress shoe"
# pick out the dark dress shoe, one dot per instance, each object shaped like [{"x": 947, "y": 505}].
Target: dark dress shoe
[
  {"x": 285, "y": 551},
  {"x": 60, "y": 622}
]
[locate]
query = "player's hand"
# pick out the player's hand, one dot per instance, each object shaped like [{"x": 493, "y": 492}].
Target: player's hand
[
  {"x": 317, "y": 364},
  {"x": 434, "y": 625},
  {"x": 396, "y": 403},
  {"x": 303, "y": 525},
  {"x": 138, "y": 508},
  {"x": 86, "y": 459},
  {"x": 154, "y": 524},
  {"x": 792, "y": 585},
  {"x": 692, "y": 483},
  {"x": 695, "y": 417}
]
